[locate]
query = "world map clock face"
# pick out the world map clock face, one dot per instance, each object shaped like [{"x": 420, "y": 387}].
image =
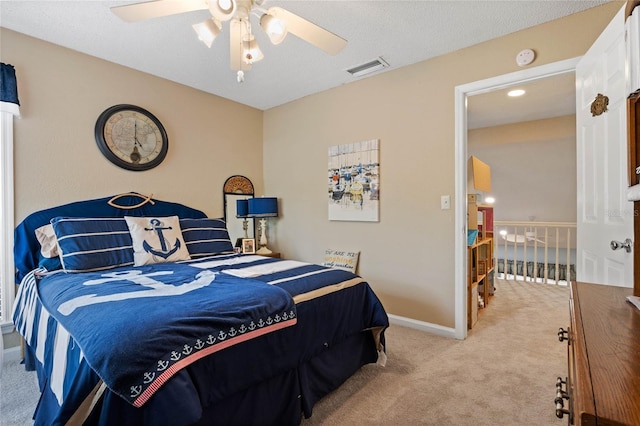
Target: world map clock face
[{"x": 131, "y": 137}]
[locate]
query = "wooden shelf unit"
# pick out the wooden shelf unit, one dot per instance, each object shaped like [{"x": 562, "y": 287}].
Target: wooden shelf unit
[
  {"x": 480, "y": 258},
  {"x": 480, "y": 276}
]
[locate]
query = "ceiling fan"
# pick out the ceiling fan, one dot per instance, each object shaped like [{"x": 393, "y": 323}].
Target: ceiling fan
[{"x": 244, "y": 50}]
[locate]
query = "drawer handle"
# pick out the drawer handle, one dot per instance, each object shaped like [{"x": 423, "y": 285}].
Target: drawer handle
[
  {"x": 561, "y": 411},
  {"x": 563, "y": 334},
  {"x": 561, "y": 395}
]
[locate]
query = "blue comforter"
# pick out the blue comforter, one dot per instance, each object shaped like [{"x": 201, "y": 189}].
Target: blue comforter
[
  {"x": 332, "y": 309},
  {"x": 157, "y": 319}
]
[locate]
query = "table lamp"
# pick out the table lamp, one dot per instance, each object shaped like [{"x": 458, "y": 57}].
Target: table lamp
[
  {"x": 242, "y": 212},
  {"x": 262, "y": 208}
]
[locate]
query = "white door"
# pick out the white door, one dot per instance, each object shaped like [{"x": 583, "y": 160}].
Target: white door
[{"x": 603, "y": 212}]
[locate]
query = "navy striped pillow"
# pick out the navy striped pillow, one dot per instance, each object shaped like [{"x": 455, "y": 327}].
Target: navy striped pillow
[
  {"x": 93, "y": 244},
  {"x": 206, "y": 237}
]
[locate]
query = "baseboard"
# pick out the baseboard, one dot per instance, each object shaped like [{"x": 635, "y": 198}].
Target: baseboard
[
  {"x": 11, "y": 354},
  {"x": 423, "y": 326}
]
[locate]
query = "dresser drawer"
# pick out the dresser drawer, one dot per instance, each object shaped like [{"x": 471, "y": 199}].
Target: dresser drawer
[{"x": 603, "y": 381}]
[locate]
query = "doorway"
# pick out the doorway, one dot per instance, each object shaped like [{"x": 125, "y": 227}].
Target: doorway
[{"x": 461, "y": 128}]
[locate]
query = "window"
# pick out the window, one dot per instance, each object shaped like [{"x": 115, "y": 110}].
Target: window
[
  {"x": 9, "y": 107},
  {"x": 7, "y": 267}
]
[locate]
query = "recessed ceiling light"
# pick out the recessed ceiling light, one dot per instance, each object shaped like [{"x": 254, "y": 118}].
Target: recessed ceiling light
[{"x": 516, "y": 92}]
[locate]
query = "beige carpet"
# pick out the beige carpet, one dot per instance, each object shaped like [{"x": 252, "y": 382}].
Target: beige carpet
[{"x": 504, "y": 373}]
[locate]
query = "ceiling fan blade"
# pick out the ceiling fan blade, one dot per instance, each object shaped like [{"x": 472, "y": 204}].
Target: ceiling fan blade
[
  {"x": 513, "y": 238},
  {"x": 156, "y": 9},
  {"x": 531, "y": 237},
  {"x": 236, "y": 28},
  {"x": 533, "y": 240},
  {"x": 309, "y": 32}
]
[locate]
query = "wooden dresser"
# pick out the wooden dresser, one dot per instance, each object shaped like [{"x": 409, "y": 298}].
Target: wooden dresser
[{"x": 603, "y": 385}]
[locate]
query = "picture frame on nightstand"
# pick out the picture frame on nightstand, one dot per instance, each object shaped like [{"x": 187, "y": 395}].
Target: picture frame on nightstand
[{"x": 248, "y": 246}]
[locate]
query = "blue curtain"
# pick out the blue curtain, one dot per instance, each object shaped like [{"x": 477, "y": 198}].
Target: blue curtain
[
  {"x": 8, "y": 84},
  {"x": 8, "y": 89}
]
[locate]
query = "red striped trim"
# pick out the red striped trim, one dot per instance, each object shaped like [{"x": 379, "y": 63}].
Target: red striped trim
[{"x": 169, "y": 372}]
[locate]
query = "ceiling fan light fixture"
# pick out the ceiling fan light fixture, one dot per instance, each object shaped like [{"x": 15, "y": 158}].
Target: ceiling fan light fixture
[
  {"x": 251, "y": 51},
  {"x": 243, "y": 48},
  {"x": 223, "y": 10},
  {"x": 207, "y": 31},
  {"x": 274, "y": 28}
]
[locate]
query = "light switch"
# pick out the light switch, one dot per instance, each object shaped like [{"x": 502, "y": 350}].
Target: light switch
[{"x": 445, "y": 202}]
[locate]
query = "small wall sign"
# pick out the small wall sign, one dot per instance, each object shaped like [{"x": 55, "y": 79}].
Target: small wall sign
[{"x": 341, "y": 259}]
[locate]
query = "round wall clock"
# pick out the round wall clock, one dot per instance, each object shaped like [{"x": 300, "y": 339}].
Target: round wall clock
[{"x": 131, "y": 137}]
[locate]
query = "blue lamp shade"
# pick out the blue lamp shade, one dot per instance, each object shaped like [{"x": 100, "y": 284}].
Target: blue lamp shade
[
  {"x": 263, "y": 207},
  {"x": 242, "y": 208}
]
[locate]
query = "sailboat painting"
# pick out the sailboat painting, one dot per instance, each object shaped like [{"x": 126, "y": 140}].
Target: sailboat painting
[{"x": 354, "y": 181}]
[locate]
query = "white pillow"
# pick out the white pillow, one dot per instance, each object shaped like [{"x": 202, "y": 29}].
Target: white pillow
[
  {"x": 47, "y": 239},
  {"x": 156, "y": 240}
]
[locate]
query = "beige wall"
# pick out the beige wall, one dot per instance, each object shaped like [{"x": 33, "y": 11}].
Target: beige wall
[
  {"x": 533, "y": 168},
  {"x": 408, "y": 256},
  {"x": 62, "y": 93}
]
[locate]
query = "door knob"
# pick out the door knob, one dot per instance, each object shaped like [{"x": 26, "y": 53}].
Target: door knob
[{"x": 617, "y": 245}]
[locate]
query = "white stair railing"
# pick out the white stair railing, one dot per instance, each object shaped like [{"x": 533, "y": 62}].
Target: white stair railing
[{"x": 535, "y": 251}]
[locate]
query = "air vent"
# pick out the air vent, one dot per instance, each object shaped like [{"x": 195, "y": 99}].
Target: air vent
[{"x": 372, "y": 66}]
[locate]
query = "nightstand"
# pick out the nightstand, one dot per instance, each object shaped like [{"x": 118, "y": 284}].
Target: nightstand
[{"x": 272, "y": 254}]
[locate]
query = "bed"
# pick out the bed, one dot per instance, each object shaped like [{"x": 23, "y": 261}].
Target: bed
[{"x": 144, "y": 315}]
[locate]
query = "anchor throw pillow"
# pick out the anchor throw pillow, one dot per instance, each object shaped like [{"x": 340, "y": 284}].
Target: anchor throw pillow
[{"x": 156, "y": 240}]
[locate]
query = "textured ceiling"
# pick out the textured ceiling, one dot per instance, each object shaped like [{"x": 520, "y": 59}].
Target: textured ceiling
[
  {"x": 544, "y": 98},
  {"x": 402, "y": 32}
]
